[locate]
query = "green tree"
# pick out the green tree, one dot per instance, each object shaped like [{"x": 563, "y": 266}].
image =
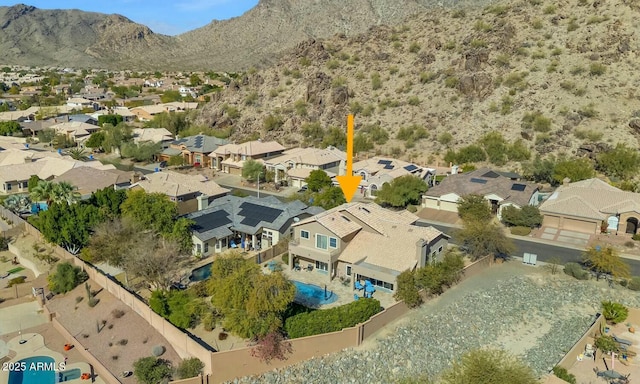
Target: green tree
[
  {"x": 195, "y": 80},
  {"x": 64, "y": 192},
  {"x": 252, "y": 169},
  {"x": 480, "y": 238},
  {"x": 169, "y": 96},
  {"x": 151, "y": 210},
  {"x": 402, "y": 191},
  {"x": 616, "y": 313},
  {"x": 46, "y": 135},
  {"x": 541, "y": 170},
  {"x": 190, "y": 367},
  {"x": 96, "y": 140},
  {"x": 336, "y": 137},
  {"x": 114, "y": 136},
  {"x": 574, "y": 169},
  {"x": 318, "y": 180},
  {"x": 33, "y": 182},
  {"x": 496, "y": 147},
  {"x": 407, "y": 289},
  {"x": 606, "y": 260},
  {"x": 8, "y": 128},
  {"x": 43, "y": 191},
  {"x": 622, "y": 162},
  {"x": 111, "y": 241},
  {"x": 67, "y": 225},
  {"x": 528, "y": 216},
  {"x": 109, "y": 119},
  {"x": 108, "y": 201},
  {"x": 362, "y": 143},
  {"x": 252, "y": 303},
  {"x": 65, "y": 278},
  {"x": 151, "y": 370},
  {"x": 329, "y": 198},
  {"x": 141, "y": 151},
  {"x": 78, "y": 154},
  {"x": 489, "y": 367},
  {"x": 175, "y": 122},
  {"x": 474, "y": 208}
]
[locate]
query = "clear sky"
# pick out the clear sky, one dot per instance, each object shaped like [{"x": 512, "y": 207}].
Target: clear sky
[{"x": 170, "y": 17}]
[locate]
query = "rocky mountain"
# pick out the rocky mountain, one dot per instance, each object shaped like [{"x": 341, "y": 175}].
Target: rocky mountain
[
  {"x": 32, "y": 36},
  {"x": 73, "y": 38},
  {"x": 556, "y": 77}
]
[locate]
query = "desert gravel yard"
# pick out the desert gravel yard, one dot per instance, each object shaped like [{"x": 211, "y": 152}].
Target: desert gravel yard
[{"x": 522, "y": 309}]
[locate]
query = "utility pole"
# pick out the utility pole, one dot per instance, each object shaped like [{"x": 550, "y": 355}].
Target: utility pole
[{"x": 259, "y": 174}]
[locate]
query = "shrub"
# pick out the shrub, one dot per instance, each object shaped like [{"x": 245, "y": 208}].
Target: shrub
[
  {"x": 331, "y": 320},
  {"x": 79, "y": 299},
  {"x": 66, "y": 277},
  {"x": 407, "y": 289},
  {"x": 272, "y": 122},
  {"x": 16, "y": 281},
  {"x": 634, "y": 284},
  {"x": 222, "y": 336},
  {"x": 605, "y": 343},
  {"x": 117, "y": 313},
  {"x": 629, "y": 244},
  {"x": 520, "y": 231},
  {"x": 563, "y": 374},
  {"x": 151, "y": 370},
  {"x": 597, "y": 69},
  {"x": 123, "y": 342},
  {"x": 412, "y": 208},
  {"x": 575, "y": 270},
  {"x": 93, "y": 302},
  {"x": 614, "y": 312},
  {"x": 190, "y": 367},
  {"x": 636, "y": 237}
]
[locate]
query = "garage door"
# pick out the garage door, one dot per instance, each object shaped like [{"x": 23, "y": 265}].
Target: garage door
[
  {"x": 430, "y": 203},
  {"x": 551, "y": 221},
  {"x": 448, "y": 206},
  {"x": 579, "y": 226}
]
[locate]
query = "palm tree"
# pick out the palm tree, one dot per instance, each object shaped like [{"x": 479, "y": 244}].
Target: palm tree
[
  {"x": 64, "y": 192},
  {"x": 77, "y": 154},
  {"x": 43, "y": 191}
]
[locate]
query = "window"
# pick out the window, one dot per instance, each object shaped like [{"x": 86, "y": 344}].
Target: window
[
  {"x": 304, "y": 234},
  {"x": 198, "y": 248},
  {"x": 348, "y": 270},
  {"x": 321, "y": 241},
  {"x": 8, "y": 187},
  {"x": 333, "y": 242},
  {"x": 322, "y": 266},
  {"x": 440, "y": 249},
  {"x": 206, "y": 247},
  {"x": 25, "y": 184},
  {"x": 224, "y": 243}
]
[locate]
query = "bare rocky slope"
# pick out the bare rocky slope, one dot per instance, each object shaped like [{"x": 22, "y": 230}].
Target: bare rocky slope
[
  {"x": 561, "y": 76},
  {"x": 73, "y": 38}
]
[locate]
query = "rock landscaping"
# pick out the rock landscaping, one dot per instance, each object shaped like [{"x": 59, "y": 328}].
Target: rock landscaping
[{"x": 536, "y": 315}]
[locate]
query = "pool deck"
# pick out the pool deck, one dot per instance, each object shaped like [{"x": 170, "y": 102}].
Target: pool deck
[
  {"x": 36, "y": 342},
  {"x": 344, "y": 292}
]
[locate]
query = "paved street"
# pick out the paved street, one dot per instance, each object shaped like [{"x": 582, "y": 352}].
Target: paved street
[{"x": 545, "y": 250}]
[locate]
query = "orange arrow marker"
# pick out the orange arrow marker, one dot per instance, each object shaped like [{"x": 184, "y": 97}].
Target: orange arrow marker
[{"x": 349, "y": 183}]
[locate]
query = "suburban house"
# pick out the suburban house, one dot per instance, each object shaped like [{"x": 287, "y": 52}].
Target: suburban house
[
  {"x": 500, "y": 189},
  {"x": 230, "y": 158},
  {"x": 590, "y": 206},
  {"x": 87, "y": 180},
  {"x": 188, "y": 191},
  {"x": 126, "y": 114},
  {"x": 146, "y": 112},
  {"x": 377, "y": 170},
  {"x": 244, "y": 223},
  {"x": 294, "y": 165},
  {"x": 81, "y": 103},
  {"x": 364, "y": 242},
  {"x": 82, "y": 118},
  {"x": 194, "y": 150},
  {"x": 14, "y": 178},
  {"x": 153, "y": 135},
  {"x": 75, "y": 130}
]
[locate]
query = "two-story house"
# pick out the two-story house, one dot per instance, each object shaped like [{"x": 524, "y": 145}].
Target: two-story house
[
  {"x": 244, "y": 223},
  {"x": 189, "y": 192},
  {"x": 195, "y": 150},
  {"x": 231, "y": 157},
  {"x": 294, "y": 165},
  {"x": 364, "y": 242}
]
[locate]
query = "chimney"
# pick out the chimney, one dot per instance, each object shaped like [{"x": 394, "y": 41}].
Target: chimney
[
  {"x": 455, "y": 169},
  {"x": 421, "y": 253},
  {"x": 203, "y": 202},
  {"x": 135, "y": 177}
]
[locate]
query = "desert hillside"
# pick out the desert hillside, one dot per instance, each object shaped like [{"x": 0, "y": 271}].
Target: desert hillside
[{"x": 558, "y": 76}]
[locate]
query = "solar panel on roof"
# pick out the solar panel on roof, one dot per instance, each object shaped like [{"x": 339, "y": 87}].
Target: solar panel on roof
[
  {"x": 211, "y": 221},
  {"x": 388, "y": 166},
  {"x": 254, "y": 213},
  {"x": 491, "y": 174},
  {"x": 518, "y": 187},
  {"x": 387, "y": 162},
  {"x": 410, "y": 168},
  {"x": 479, "y": 181}
]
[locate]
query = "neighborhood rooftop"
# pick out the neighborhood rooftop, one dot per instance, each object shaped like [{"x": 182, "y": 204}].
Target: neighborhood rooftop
[{"x": 176, "y": 184}]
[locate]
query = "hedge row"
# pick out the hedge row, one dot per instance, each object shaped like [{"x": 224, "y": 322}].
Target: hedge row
[{"x": 331, "y": 320}]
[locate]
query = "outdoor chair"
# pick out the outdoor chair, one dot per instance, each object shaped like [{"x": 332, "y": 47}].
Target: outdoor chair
[
  {"x": 296, "y": 267},
  {"x": 309, "y": 268},
  {"x": 359, "y": 286},
  {"x": 589, "y": 350}
]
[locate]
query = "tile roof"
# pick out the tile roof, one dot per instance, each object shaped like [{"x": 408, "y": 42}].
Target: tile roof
[
  {"x": 45, "y": 168},
  {"x": 378, "y": 166},
  {"x": 592, "y": 199},
  {"x": 247, "y": 215},
  {"x": 88, "y": 180},
  {"x": 176, "y": 184},
  {"x": 75, "y": 128},
  {"x": 483, "y": 182},
  {"x": 250, "y": 148},
  {"x": 316, "y": 157},
  {"x": 154, "y": 135}
]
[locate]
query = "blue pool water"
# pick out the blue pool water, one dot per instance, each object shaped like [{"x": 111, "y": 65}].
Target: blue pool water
[
  {"x": 71, "y": 374},
  {"x": 201, "y": 273},
  {"x": 312, "y": 295},
  {"x": 26, "y": 371},
  {"x": 37, "y": 207}
]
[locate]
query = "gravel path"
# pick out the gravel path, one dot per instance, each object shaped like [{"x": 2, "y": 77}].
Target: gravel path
[{"x": 523, "y": 310}]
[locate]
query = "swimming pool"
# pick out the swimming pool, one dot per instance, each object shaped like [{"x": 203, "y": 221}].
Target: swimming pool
[
  {"x": 201, "y": 273},
  {"x": 312, "y": 295},
  {"x": 37, "y": 207},
  {"x": 32, "y": 370}
]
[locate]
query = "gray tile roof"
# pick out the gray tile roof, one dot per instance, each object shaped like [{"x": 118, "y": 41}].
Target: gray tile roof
[
  {"x": 484, "y": 181},
  {"x": 247, "y": 215},
  {"x": 200, "y": 143}
]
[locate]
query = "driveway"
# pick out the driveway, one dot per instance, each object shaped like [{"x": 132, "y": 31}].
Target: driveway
[{"x": 579, "y": 239}]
